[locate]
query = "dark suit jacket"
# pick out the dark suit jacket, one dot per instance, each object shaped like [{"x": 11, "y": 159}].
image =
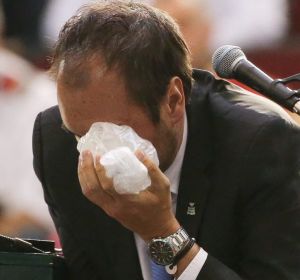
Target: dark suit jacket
[{"x": 241, "y": 169}]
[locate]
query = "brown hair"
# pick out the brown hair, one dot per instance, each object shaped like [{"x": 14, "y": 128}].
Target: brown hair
[{"x": 143, "y": 43}]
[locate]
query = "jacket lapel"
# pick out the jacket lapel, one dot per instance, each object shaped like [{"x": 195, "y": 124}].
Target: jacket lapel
[{"x": 194, "y": 182}]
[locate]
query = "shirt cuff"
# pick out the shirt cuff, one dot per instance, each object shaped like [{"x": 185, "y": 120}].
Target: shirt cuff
[{"x": 193, "y": 269}]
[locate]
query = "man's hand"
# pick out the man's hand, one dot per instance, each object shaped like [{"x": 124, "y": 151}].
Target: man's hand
[{"x": 148, "y": 213}]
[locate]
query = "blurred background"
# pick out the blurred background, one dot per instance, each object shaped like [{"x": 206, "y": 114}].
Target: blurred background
[{"x": 267, "y": 30}]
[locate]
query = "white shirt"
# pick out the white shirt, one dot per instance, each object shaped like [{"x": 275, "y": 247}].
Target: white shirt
[{"x": 173, "y": 174}]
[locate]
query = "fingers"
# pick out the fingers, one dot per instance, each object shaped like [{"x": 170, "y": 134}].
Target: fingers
[
  {"x": 158, "y": 179},
  {"x": 105, "y": 181},
  {"x": 90, "y": 185},
  {"x": 99, "y": 188}
]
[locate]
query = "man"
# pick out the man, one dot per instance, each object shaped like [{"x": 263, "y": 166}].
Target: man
[{"x": 229, "y": 160}]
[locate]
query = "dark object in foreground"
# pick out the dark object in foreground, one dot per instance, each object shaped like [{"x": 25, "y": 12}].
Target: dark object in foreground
[{"x": 30, "y": 259}]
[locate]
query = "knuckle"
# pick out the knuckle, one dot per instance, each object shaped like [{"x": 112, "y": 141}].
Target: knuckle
[
  {"x": 165, "y": 186},
  {"x": 165, "y": 183},
  {"x": 106, "y": 186},
  {"x": 89, "y": 191},
  {"x": 98, "y": 168},
  {"x": 152, "y": 167},
  {"x": 84, "y": 168}
]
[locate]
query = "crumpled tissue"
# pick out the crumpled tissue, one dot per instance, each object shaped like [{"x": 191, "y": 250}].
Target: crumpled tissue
[{"x": 116, "y": 145}]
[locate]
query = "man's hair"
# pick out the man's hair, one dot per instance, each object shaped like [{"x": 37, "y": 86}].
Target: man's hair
[{"x": 142, "y": 43}]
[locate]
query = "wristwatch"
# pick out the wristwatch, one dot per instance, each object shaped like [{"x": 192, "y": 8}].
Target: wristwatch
[{"x": 165, "y": 251}]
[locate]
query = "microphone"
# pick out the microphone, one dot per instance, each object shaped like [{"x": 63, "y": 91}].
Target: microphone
[{"x": 230, "y": 62}]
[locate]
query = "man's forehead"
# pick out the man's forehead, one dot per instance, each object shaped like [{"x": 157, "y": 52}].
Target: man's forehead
[{"x": 105, "y": 89}]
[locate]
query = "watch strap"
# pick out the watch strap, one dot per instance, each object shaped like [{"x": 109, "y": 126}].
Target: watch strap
[
  {"x": 183, "y": 252},
  {"x": 172, "y": 268}
]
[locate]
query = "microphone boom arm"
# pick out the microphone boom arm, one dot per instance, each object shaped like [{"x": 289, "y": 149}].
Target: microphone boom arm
[{"x": 295, "y": 94}]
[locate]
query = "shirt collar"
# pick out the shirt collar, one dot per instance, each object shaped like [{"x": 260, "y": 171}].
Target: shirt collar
[{"x": 173, "y": 172}]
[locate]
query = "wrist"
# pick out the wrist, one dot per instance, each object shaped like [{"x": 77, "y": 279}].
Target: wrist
[{"x": 164, "y": 230}]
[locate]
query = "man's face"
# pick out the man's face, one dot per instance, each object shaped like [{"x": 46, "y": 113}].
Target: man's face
[{"x": 105, "y": 99}]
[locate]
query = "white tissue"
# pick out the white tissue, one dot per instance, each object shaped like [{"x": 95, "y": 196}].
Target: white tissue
[
  {"x": 116, "y": 146},
  {"x": 129, "y": 174}
]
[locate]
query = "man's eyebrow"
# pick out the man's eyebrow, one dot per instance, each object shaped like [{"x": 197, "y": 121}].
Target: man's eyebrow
[{"x": 63, "y": 127}]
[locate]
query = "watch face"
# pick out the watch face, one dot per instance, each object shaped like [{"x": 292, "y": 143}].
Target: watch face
[{"x": 161, "y": 252}]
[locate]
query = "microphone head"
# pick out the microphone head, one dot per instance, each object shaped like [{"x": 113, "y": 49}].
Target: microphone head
[{"x": 225, "y": 59}]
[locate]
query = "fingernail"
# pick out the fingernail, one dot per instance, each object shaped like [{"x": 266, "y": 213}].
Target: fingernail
[
  {"x": 81, "y": 159},
  {"x": 83, "y": 156},
  {"x": 86, "y": 153}
]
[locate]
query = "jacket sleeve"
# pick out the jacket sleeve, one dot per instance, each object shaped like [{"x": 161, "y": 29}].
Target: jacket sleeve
[{"x": 82, "y": 268}]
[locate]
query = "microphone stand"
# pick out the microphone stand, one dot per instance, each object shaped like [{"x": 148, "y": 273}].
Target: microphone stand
[{"x": 292, "y": 99}]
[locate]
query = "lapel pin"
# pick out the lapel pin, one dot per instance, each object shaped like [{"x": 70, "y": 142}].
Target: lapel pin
[{"x": 191, "y": 210}]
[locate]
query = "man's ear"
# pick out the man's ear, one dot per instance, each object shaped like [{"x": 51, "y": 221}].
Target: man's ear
[{"x": 175, "y": 99}]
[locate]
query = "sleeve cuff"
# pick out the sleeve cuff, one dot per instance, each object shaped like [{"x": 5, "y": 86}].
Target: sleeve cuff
[{"x": 193, "y": 269}]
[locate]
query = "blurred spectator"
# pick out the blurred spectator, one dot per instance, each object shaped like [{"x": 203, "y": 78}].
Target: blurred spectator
[
  {"x": 24, "y": 91},
  {"x": 54, "y": 17},
  {"x": 22, "y": 32},
  {"x": 190, "y": 14},
  {"x": 196, "y": 26},
  {"x": 205, "y": 24},
  {"x": 249, "y": 23}
]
